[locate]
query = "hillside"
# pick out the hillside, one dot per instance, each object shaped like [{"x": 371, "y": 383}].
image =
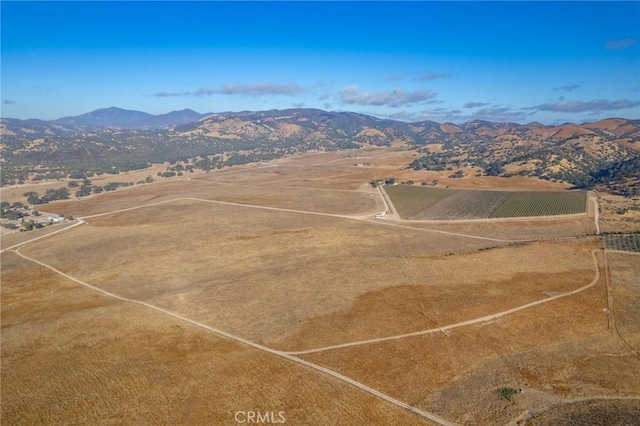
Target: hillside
[
  {"x": 111, "y": 140},
  {"x": 583, "y": 155}
]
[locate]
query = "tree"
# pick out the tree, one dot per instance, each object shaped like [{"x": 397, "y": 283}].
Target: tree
[
  {"x": 83, "y": 191},
  {"x": 32, "y": 197}
]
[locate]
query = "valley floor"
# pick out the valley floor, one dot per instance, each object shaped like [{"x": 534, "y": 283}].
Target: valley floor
[{"x": 273, "y": 289}]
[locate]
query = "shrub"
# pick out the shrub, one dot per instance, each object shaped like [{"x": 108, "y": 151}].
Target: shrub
[{"x": 507, "y": 393}]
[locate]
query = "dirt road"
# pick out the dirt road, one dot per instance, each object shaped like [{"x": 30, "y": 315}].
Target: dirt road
[
  {"x": 430, "y": 416},
  {"x": 446, "y": 328}
]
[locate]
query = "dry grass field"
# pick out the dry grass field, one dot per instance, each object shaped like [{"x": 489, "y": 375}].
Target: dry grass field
[
  {"x": 616, "y": 412},
  {"x": 287, "y": 255},
  {"x": 72, "y": 356},
  {"x": 619, "y": 214}
]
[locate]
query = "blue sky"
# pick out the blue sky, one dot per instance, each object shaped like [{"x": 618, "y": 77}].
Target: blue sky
[{"x": 444, "y": 61}]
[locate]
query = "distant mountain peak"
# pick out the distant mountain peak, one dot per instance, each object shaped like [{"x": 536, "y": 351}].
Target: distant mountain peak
[{"x": 115, "y": 117}]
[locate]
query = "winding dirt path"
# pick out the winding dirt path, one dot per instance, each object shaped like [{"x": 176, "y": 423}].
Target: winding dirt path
[
  {"x": 446, "y": 328},
  {"x": 427, "y": 415},
  {"x": 364, "y": 218},
  {"x": 291, "y": 355}
]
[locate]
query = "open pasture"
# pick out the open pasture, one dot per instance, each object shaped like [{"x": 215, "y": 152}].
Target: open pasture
[
  {"x": 296, "y": 266},
  {"x": 73, "y": 356},
  {"x": 420, "y": 203},
  {"x": 293, "y": 175},
  {"x": 356, "y": 202},
  {"x": 549, "y": 352},
  {"x": 266, "y": 274},
  {"x": 254, "y": 271}
]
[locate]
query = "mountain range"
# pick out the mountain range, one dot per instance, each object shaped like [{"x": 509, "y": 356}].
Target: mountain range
[
  {"x": 114, "y": 118},
  {"x": 345, "y": 123},
  {"x": 114, "y": 139}
]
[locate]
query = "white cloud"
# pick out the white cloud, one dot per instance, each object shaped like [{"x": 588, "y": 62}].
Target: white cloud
[
  {"x": 245, "y": 89},
  {"x": 395, "y": 98},
  {"x": 475, "y": 104},
  {"x": 579, "y": 106}
]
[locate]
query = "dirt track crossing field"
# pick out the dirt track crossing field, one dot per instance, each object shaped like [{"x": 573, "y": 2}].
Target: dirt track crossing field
[{"x": 288, "y": 304}]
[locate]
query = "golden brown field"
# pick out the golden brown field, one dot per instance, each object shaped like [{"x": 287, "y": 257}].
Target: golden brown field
[{"x": 273, "y": 288}]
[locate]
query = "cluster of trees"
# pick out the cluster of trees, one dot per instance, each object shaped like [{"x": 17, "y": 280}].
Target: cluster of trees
[
  {"x": 12, "y": 211},
  {"x": 108, "y": 151},
  {"x": 620, "y": 178},
  {"x": 112, "y": 186},
  {"x": 208, "y": 163},
  {"x": 51, "y": 195},
  {"x": 17, "y": 211},
  {"x": 148, "y": 179},
  {"x": 457, "y": 175},
  {"x": 380, "y": 182},
  {"x": 436, "y": 161},
  {"x": 85, "y": 188},
  {"x": 89, "y": 188},
  {"x": 51, "y": 175},
  {"x": 254, "y": 157},
  {"x": 586, "y": 170},
  {"x": 111, "y": 152}
]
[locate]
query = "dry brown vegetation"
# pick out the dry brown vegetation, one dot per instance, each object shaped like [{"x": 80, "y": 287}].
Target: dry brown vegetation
[
  {"x": 284, "y": 256},
  {"x": 619, "y": 214},
  {"x": 72, "y": 356},
  {"x": 605, "y": 412}
]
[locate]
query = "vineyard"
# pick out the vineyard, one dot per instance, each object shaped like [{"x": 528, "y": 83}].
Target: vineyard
[
  {"x": 624, "y": 242},
  {"x": 417, "y": 203},
  {"x": 411, "y": 201},
  {"x": 525, "y": 204}
]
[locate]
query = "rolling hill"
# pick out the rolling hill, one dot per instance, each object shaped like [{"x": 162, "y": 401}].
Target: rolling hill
[{"x": 110, "y": 140}]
